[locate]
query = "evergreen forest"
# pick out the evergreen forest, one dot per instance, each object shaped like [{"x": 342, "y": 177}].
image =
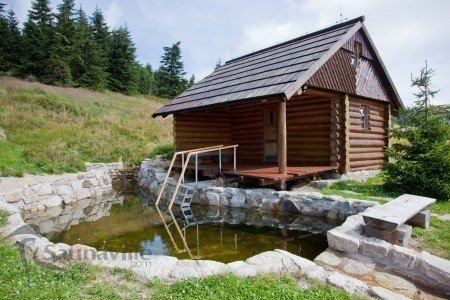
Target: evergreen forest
[{"x": 66, "y": 47}]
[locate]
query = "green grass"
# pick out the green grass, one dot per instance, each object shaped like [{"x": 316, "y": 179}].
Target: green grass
[
  {"x": 435, "y": 239},
  {"x": 235, "y": 288},
  {"x": 54, "y": 130},
  {"x": 39, "y": 283},
  {"x": 373, "y": 187}
]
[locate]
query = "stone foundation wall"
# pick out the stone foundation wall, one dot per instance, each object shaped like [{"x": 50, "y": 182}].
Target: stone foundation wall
[
  {"x": 152, "y": 174},
  {"x": 68, "y": 188}
]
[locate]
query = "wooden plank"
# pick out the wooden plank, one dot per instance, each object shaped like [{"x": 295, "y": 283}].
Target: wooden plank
[{"x": 395, "y": 213}]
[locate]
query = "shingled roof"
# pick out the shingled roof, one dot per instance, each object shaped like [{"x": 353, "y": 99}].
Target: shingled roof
[{"x": 277, "y": 71}]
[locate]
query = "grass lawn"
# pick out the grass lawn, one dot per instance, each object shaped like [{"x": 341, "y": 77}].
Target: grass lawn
[
  {"x": 48, "y": 129},
  {"x": 435, "y": 239}
]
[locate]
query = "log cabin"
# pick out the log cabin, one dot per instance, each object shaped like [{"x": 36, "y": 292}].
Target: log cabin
[{"x": 318, "y": 103}]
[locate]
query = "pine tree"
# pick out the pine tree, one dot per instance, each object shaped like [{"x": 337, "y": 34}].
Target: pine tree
[
  {"x": 96, "y": 53},
  {"x": 81, "y": 48},
  {"x": 169, "y": 77},
  {"x": 15, "y": 46},
  {"x": 63, "y": 50},
  {"x": 191, "y": 81},
  {"x": 146, "y": 80},
  {"x": 38, "y": 39},
  {"x": 122, "y": 67},
  {"x": 4, "y": 41},
  {"x": 419, "y": 157}
]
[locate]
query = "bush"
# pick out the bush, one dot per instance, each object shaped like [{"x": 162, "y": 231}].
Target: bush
[
  {"x": 419, "y": 159},
  {"x": 163, "y": 149}
]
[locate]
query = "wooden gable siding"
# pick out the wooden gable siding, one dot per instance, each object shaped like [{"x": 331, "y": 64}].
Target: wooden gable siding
[
  {"x": 367, "y": 145},
  {"x": 201, "y": 129},
  {"x": 308, "y": 131},
  {"x": 247, "y": 131},
  {"x": 358, "y": 37},
  {"x": 338, "y": 74}
]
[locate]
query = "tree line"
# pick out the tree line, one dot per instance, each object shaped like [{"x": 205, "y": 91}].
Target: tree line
[{"x": 68, "y": 48}]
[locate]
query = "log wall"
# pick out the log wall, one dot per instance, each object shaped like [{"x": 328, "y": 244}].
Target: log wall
[
  {"x": 367, "y": 144},
  {"x": 247, "y": 131},
  {"x": 201, "y": 129},
  {"x": 309, "y": 131}
]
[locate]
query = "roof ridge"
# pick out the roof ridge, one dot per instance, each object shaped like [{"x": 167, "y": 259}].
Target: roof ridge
[{"x": 307, "y": 35}]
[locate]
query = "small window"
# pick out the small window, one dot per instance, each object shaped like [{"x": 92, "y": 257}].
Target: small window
[
  {"x": 364, "y": 117},
  {"x": 355, "y": 58}
]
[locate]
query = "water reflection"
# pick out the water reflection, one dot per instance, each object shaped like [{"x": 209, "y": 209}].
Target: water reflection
[{"x": 219, "y": 233}]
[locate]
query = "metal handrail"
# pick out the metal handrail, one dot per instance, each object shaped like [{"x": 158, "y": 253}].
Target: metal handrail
[
  {"x": 171, "y": 166},
  {"x": 196, "y": 152}
]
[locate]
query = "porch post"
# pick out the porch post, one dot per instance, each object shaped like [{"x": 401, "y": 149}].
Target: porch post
[{"x": 282, "y": 138}]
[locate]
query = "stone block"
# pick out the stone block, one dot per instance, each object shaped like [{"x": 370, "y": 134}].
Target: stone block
[
  {"x": 82, "y": 252},
  {"x": 238, "y": 200},
  {"x": 400, "y": 236},
  {"x": 82, "y": 193},
  {"x": 13, "y": 196},
  {"x": 8, "y": 208},
  {"x": 64, "y": 190},
  {"x": 374, "y": 247},
  {"x": 356, "y": 268},
  {"x": 329, "y": 258},
  {"x": 290, "y": 206},
  {"x": 349, "y": 284},
  {"x": 385, "y": 294},
  {"x": 422, "y": 219},
  {"x": 341, "y": 241},
  {"x": 45, "y": 189},
  {"x": 436, "y": 268},
  {"x": 213, "y": 198},
  {"x": 53, "y": 201},
  {"x": 404, "y": 258}
]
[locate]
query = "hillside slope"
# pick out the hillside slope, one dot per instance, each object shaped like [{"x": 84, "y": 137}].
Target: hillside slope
[{"x": 48, "y": 129}]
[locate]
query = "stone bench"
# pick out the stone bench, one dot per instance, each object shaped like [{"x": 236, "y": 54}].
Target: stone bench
[{"x": 387, "y": 222}]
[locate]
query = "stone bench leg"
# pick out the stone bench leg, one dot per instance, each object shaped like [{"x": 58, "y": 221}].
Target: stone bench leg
[
  {"x": 422, "y": 219},
  {"x": 400, "y": 236}
]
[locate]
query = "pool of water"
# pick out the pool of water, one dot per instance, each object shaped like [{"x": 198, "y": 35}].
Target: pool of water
[{"x": 123, "y": 224}]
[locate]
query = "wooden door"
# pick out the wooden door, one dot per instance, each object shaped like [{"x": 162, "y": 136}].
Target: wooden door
[{"x": 270, "y": 134}]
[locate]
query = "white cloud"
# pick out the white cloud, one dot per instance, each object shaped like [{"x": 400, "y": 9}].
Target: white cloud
[{"x": 113, "y": 15}]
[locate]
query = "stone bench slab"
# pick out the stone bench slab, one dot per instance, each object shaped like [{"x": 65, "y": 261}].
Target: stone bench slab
[{"x": 395, "y": 213}]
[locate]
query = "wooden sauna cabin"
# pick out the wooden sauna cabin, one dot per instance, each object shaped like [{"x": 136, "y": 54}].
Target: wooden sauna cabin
[{"x": 321, "y": 102}]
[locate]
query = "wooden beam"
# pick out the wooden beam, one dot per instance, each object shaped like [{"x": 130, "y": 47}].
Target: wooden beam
[{"x": 282, "y": 138}]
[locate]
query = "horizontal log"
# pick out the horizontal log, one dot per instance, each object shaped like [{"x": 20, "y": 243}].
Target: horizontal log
[
  {"x": 366, "y": 156},
  {"x": 367, "y": 150},
  {"x": 366, "y": 143},
  {"x": 322, "y": 127},
  {"x": 193, "y": 134},
  {"x": 301, "y": 114},
  {"x": 310, "y": 101},
  {"x": 180, "y": 129},
  {"x": 310, "y": 159},
  {"x": 365, "y": 168},
  {"x": 310, "y": 141},
  {"x": 365, "y": 163},
  {"x": 369, "y": 135},
  {"x": 308, "y": 134},
  {"x": 324, "y": 119},
  {"x": 297, "y": 107},
  {"x": 252, "y": 119},
  {"x": 358, "y": 129},
  {"x": 199, "y": 124}
]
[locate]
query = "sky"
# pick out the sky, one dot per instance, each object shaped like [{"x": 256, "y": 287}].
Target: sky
[{"x": 406, "y": 33}]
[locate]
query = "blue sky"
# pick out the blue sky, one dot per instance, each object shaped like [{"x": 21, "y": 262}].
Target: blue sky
[{"x": 405, "y": 32}]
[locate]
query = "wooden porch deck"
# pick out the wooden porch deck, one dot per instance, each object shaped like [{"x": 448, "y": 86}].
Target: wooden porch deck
[
  {"x": 267, "y": 173},
  {"x": 262, "y": 173}
]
